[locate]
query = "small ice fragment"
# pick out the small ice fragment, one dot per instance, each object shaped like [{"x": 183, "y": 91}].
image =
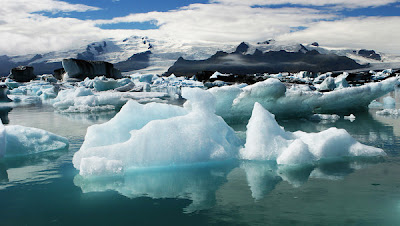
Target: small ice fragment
[{"x": 351, "y": 117}]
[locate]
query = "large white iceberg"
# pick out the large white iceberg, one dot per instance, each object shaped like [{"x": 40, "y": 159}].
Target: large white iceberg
[
  {"x": 158, "y": 135},
  {"x": 18, "y": 140},
  {"x": 266, "y": 140}
]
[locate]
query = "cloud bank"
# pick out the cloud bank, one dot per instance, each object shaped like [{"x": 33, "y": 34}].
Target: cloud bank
[{"x": 25, "y": 28}]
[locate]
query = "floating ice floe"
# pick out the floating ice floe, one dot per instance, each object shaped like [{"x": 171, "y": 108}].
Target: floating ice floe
[
  {"x": 103, "y": 84},
  {"x": 44, "y": 90},
  {"x": 375, "y": 105},
  {"x": 350, "y": 117},
  {"x": 388, "y": 106},
  {"x": 283, "y": 102},
  {"x": 84, "y": 100},
  {"x": 389, "y": 102},
  {"x": 389, "y": 112},
  {"x": 381, "y": 75},
  {"x": 19, "y": 140},
  {"x": 324, "y": 117},
  {"x": 81, "y": 100},
  {"x": 266, "y": 140},
  {"x": 158, "y": 135}
]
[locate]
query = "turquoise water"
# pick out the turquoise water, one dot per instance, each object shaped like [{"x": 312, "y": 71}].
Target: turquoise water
[{"x": 45, "y": 189}]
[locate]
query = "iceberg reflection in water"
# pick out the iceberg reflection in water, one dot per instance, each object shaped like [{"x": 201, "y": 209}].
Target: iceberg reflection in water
[
  {"x": 197, "y": 183},
  {"x": 200, "y": 182}
]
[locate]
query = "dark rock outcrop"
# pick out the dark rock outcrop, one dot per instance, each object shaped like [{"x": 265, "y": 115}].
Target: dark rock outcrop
[
  {"x": 58, "y": 73},
  {"x": 22, "y": 74},
  {"x": 3, "y": 93},
  {"x": 315, "y": 44},
  {"x": 371, "y": 54},
  {"x": 268, "y": 62},
  {"x": 81, "y": 69},
  {"x": 135, "y": 62}
]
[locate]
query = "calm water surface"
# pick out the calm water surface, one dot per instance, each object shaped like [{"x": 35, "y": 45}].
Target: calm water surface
[{"x": 45, "y": 189}]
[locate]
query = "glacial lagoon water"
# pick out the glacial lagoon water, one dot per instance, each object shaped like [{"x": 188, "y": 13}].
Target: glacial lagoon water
[{"x": 46, "y": 189}]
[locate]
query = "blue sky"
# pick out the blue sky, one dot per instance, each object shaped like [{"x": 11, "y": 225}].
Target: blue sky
[{"x": 52, "y": 25}]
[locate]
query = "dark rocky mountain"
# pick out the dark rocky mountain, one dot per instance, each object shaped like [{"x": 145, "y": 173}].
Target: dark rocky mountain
[
  {"x": 371, "y": 54},
  {"x": 135, "y": 62},
  {"x": 238, "y": 62},
  {"x": 6, "y": 64}
]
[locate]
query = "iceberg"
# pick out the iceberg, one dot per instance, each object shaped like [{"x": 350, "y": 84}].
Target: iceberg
[
  {"x": 389, "y": 112},
  {"x": 274, "y": 96},
  {"x": 158, "y": 135},
  {"x": 18, "y": 140},
  {"x": 266, "y": 140},
  {"x": 389, "y": 102},
  {"x": 324, "y": 117},
  {"x": 84, "y": 100}
]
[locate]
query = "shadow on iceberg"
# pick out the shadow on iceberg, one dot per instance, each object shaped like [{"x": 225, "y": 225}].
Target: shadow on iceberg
[{"x": 197, "y": 183}]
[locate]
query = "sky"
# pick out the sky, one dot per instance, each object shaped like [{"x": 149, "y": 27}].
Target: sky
[{"x": 40, "y": 26}]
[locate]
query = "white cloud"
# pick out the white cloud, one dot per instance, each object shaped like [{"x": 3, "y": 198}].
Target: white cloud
[
  {"x": 378, "y": 33},
  {"x": 16, "y": 7},
  {"x": 23, "y": 31},
  {"x": 225, "y": 23},
  {"x": 337, "y": 3}
]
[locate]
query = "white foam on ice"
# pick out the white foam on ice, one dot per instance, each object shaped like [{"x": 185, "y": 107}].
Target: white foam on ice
[
  {"x": 266, "y": 140},
  {"x": 160, "y": 135}
]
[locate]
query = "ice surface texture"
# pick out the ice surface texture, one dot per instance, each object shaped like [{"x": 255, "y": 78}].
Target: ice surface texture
[
  {"x": 266, "y": 140},
  {"x": 19, "y": 140},
  {"x": 158, "y": 135}
]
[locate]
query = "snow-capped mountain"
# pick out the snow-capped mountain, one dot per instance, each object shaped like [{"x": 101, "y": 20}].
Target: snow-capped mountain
[{"x": 148, "y": 55}]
